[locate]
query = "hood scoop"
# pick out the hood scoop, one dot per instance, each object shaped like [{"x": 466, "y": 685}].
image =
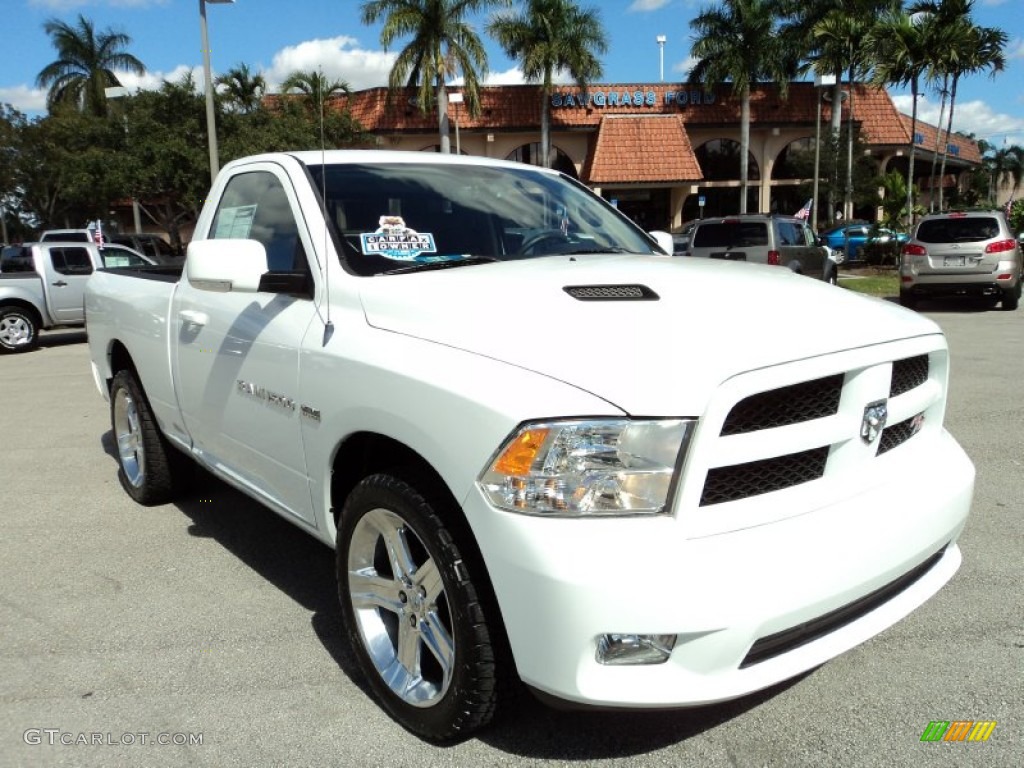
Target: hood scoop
[{"x": 611, "y": 292}]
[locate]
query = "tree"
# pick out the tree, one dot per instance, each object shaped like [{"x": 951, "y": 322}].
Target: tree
[
  {"x": 242, "y": 90},
  {"x": 443, "y": 44},
  {"x": 85, "y": 65},
  {"x": 738, "y": 42},
  {"x": 315, "y": 87},
  {"x": 548, "y": 36},
  {"x": 901, "y": 50}
]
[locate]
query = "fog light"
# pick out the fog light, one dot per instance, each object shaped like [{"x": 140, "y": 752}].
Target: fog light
[{"x": 634, "y": 649}]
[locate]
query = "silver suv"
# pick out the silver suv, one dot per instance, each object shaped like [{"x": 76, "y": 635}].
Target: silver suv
[
  {"x": 763, "y": 239},
  {"x": 960, "y": 253}
]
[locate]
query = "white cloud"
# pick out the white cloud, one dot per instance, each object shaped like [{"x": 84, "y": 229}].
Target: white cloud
[
  {"x": 684, "y": 66},
  {"x": 24, "y": 99},
  {"x": 512, "y": 76},
  {"x": 975, "y": 117},
  {"x": 642, "y": 6},
  {"x": 1015, "y": 48},
  {"x": 339, "y": 58}
]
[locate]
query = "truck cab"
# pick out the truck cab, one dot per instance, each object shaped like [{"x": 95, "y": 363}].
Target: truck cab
[{"x": 42, "y": 286}]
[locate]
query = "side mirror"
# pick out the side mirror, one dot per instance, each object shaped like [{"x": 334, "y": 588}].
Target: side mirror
[
  {"x": 226, "y": 265},
  {"x": 663, "y": 239}
]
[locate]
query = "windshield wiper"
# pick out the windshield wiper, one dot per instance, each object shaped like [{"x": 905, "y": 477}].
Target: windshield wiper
[
  {"x": 429, "y": 265},
  {"x": 605, "y": 249}
]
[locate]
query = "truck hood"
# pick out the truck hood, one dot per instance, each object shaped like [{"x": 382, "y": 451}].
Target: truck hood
[{"x": 709, "y": 321}]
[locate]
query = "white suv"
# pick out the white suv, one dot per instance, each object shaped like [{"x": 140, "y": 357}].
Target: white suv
[{"x": 961, "y": 254}]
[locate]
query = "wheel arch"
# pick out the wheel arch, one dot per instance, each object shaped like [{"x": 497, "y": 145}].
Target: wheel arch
[
  {"x": 366, "y": 453},
  {"x": 26, "y": 306}
]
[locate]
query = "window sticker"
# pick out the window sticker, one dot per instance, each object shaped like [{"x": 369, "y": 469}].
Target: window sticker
[
  {"x": 235, "y": 222},
  {"x": 393, "y": 240}
]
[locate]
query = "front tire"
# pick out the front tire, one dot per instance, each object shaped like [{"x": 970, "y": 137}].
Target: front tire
[
  {"x": 149, "y": 469},
  {"x": 412, "y": 611},
  {"x": 19, "y": 330}
]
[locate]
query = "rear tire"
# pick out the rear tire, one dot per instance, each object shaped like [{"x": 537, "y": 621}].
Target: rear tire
[
  {"x": 1011, "y": 299},
  {"x": 19, "y": 330},
  {"x": 412, "y": 611},
  {"x": 149, "y": 469}
]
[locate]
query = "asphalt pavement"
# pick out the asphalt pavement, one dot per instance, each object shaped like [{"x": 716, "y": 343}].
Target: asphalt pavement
[{"x": 207, "y": 632}]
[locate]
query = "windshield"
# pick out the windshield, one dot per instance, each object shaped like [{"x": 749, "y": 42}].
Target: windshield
[{"x": 396, "y": 218}]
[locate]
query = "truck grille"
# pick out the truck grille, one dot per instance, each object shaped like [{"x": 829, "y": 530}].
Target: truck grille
[
  {"x": 771, "y": 439},
  {"x": 907, "y": 374},
  {"x": 741, "y": 481},
  {"x": 784, "y": 406}
]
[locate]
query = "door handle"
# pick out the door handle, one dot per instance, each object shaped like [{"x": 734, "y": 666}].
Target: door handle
[
  {"x": 59, "y": 284},
  {"x": 193, "y": 317}
]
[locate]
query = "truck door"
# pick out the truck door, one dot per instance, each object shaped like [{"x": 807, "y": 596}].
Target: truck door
[
  {"x": 237, "y": 354},
  {"x": 64, "y": 279}
]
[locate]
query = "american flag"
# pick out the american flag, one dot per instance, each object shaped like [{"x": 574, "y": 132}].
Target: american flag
[{"x": 805, "y": 212}]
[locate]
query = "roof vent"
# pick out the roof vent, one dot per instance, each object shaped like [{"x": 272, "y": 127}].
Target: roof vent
[{"x": 611, "y": 292}]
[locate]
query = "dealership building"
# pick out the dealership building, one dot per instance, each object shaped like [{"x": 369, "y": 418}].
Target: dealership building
[{"x": 666, "y": 153}]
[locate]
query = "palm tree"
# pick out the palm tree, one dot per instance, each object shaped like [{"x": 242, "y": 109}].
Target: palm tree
[
  {"x": 981, "y": 48},
  {"x": 738, "y": 42},
  {"x": 901, "y": 50},
  {"x": 547, "y": 36},
  {"x": 443, "y": 44},
  {"x": 316, "y": 88},
  {"x": 85, "y": 65},
  {"x": 242, "y": 89}
]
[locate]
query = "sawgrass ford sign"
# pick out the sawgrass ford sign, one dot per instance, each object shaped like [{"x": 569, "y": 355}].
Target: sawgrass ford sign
[{"x": 627, "y": 98}]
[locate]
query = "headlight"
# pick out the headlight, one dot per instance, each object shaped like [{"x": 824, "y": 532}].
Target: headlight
[{"x": 581, "y": 468}]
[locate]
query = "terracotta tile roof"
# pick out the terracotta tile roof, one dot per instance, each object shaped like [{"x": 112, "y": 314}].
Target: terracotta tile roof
[
  {"x": 517, "y": 108},
  {"x": 641, "y": 148},
  {"x": 961, "y": 148}
]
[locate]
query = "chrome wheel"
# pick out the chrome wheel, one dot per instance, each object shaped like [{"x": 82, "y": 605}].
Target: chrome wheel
[
  {"x": 16, "y": 331},
  {"x": 128, "y": 433},
  {"x": 401, "y": 608}
]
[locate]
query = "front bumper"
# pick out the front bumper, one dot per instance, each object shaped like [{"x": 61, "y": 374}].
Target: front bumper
[{"x": 561, "y": 584}]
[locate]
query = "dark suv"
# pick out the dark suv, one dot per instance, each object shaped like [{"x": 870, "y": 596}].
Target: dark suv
[
  {"x": 763, "y": 239},
  {"x": 960, "y": 253}
]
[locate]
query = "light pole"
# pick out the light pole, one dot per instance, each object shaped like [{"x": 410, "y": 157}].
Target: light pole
[
  {"x": 211, "y": 120},
  {"x": 661, "y": 56},
  {"x": 456, "y": 99}
]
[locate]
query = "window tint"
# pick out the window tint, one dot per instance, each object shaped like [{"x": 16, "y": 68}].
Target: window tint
[
  {"x": 967, "y": 230},
  {"x": 790, "y": 234},
  {"x": 16, "y": 258},
  {"x": 71, "y": 261},
  {"x": 731, "y": 233},
  {"x": 255, "y": 206}
]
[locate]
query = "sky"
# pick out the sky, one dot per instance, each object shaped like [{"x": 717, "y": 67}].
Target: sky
[{"x": 277, "y": 37}]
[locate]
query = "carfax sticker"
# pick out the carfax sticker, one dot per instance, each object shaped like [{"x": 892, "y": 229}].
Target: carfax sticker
[{"x": 394, "y": 240}]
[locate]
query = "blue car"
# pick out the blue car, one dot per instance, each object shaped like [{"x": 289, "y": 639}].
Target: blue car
[{"x": 848, "y": 239}]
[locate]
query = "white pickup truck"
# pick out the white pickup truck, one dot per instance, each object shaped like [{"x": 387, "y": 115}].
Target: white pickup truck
[
  {"x": 544, "y": 450},
  {"x": 42, "y": 286}
]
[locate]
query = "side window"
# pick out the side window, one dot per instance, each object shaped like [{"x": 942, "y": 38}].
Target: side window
[
  {"x": 788, "y": 234},
  {"x": 255, "y": 206},
  {"x": 808, "y": 235},
  {"x": 71, "y": 261},
  {"x": 113, "y": 256},
  {"x": 16, "y": 258}
]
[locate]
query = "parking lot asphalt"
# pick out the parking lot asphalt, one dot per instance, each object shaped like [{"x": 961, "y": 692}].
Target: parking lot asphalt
[{"x": 207, "y": 632}]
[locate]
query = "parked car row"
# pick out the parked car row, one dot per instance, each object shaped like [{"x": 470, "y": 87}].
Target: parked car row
[
  {"x": 147, "y": 243},
  {"x": 42, "y": 286}
]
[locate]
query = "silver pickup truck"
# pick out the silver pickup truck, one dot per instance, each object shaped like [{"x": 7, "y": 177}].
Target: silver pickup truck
[{"x": 42, "y": 286}]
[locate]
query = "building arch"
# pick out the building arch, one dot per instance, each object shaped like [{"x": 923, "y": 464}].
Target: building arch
[
  {"x": 720, "y": 161},
  {"x": 795, "y": 161},
  {"x": 530, "y": 155}
]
